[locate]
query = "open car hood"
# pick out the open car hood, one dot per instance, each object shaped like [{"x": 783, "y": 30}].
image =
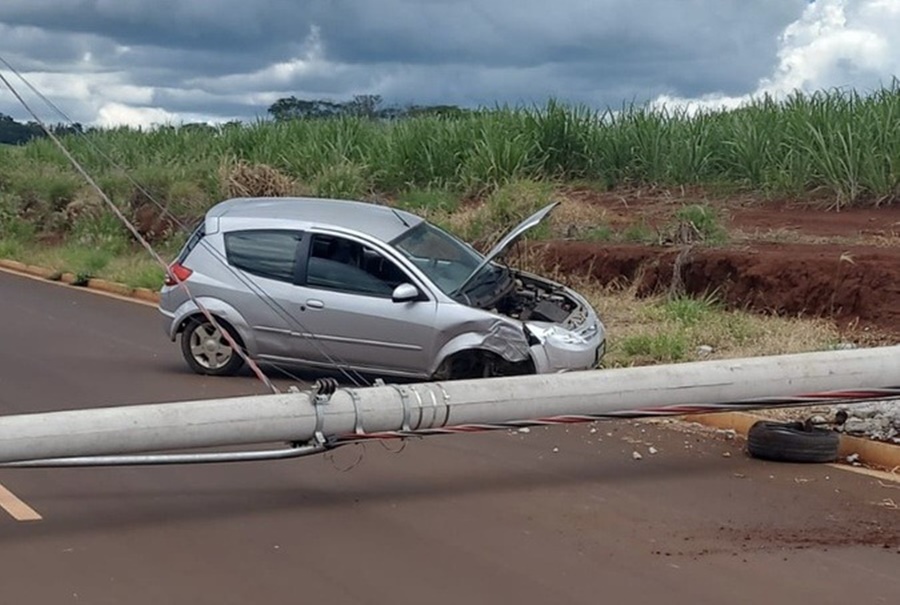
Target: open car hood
[{"x": 508, "y": 240}]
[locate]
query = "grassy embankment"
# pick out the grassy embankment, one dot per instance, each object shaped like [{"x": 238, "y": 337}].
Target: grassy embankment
[{"x": 475, "y": 175}]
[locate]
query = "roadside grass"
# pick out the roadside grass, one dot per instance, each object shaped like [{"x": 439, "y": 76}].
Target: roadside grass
[
  {"x": 344, "y": 180},
  {"x": 644, "y": 331},
  {"x": 136, "y": 271},
  {"x": 575, "y": 219},
  {"x": 599, "y": 233},
  {"x": 83, "y": 261},
  {"x": 483, "y": 223},
  {"x": 132, "y": 267},
  {"x": 704, "y": 222},
  {"x": 639, "y": 233},
  {"x": 12, "y": 249}
]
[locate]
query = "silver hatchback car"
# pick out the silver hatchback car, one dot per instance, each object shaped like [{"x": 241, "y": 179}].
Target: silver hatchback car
[{"x": 352, "y": 286}]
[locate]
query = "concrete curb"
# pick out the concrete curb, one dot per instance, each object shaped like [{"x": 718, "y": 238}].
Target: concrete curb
[
  {"x": 101, "y": 285},
  {"x": 873, "y": 453}
]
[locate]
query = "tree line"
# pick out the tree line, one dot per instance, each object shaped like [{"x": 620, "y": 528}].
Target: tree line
[
  {"x": 363, "y": 106},
  {"x": 18, "y": 133},
  {"x": 288, "y": 108}
]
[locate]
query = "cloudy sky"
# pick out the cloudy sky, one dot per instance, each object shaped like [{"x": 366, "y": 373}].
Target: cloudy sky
[{"x": 107, "y": 62}]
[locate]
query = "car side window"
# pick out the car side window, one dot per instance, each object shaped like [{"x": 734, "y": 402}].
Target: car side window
[
  {"x": 337, "y": 263},
  {"x": 268, "y": 253}
]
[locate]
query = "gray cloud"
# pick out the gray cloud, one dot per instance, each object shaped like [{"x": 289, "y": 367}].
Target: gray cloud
[{"x": 231, "y": 58}]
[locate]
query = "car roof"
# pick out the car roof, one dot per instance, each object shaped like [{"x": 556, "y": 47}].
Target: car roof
[{"x": 381, "y": 222}]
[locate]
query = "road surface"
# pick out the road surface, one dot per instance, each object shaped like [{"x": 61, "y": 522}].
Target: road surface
[{"x": 561, "y": 515}]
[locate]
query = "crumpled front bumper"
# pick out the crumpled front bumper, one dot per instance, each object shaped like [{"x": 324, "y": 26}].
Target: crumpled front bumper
[{"x": 561, "y": 350}]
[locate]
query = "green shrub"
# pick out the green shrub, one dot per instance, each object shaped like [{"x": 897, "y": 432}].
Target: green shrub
[
  {"x": 664, "y": 347},
  {"x": 101, "y": 231},
  {"x": 689, "y": 311},
  {"x": 703, "y": 219},
  {"x": 341, "y": 181}
]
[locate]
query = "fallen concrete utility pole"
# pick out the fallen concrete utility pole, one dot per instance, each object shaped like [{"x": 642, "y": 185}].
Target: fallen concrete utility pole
[{"x": 313, "y": 422}]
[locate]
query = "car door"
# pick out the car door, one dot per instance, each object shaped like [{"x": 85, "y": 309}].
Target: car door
[{"x": 347, "y": 307}]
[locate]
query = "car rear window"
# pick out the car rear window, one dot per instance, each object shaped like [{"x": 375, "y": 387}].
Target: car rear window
[
  {"x": 197, "y": 235},
  {"x": 267, "y": 253}
]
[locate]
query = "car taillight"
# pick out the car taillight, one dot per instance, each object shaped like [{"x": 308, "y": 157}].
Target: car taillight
[{"x": 177, "y": 273}]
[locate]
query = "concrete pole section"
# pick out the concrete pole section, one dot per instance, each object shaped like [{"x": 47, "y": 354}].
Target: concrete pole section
[{"x": 298, "y": 417}]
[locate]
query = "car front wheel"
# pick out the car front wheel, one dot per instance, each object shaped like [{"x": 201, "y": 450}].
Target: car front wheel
[
  {"x": 207, "y": 351},
  {"x": 480, "y": 364}
]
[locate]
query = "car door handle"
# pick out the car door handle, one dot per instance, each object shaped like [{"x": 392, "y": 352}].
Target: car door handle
[{"x": 314, "y": 303}]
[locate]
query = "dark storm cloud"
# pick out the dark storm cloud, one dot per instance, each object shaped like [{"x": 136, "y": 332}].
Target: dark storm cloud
[
  {"x": 224, "y": 54},
  {"x": 181, "y": 24}
]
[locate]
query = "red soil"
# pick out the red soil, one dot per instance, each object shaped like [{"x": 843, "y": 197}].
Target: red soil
[{"x": 781, "y": 257}]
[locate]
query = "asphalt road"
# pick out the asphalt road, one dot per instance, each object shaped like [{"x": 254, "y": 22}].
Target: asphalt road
[{"x": 561, "y": 515}]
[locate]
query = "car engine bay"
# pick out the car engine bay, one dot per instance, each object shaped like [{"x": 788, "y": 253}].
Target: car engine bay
[{"x": 533, "y": 299}]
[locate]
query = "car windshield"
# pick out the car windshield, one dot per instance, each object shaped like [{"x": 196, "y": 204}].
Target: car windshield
[{"x": 447, "y": 261}]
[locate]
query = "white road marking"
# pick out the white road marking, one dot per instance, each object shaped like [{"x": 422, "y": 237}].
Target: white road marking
[{"x": 17, "y": 509}]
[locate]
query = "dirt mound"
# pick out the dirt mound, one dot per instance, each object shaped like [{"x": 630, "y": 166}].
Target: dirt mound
[
  {"x": 855, "y": 286},
  {"x": 788, "y": 257},
  {"x": 744, "y": 216}
]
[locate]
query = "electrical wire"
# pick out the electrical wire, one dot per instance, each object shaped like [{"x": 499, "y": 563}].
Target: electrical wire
[
  {"x": 134, "y": 231},
  {"x": 807, "y": 399},
  {"x": 350, "y": 374}
]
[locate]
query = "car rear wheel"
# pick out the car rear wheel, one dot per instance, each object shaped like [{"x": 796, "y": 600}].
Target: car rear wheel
[{"x": 206, "y": 350}]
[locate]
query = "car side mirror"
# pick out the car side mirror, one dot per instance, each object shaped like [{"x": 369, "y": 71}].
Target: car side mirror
[{"x": 405, "y": 293}]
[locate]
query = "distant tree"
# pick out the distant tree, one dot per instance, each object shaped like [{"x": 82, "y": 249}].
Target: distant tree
[
  {"x": 16, "y": 133},
  {"x": 440, "y": 111},
  {"x": 66, "y": 129},
  {"x": 292, "y": 108},
  {"x": 19, "y": 133},
  {"x": 364, "y": 106},
  {"x": 198, "y": 127}
]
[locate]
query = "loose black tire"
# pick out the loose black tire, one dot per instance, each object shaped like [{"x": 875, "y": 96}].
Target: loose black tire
[
  {"x": 792, "y": 442},
  {"x": 206, "y": 351}
]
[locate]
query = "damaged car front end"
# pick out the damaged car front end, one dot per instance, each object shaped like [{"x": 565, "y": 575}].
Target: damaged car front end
[
  {"x": 563, "y": 330},
  {"x": 541, "y": 326}
]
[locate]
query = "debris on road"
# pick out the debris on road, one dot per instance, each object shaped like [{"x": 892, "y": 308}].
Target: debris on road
[
  {"x": 878, "y": 420},
  {"x": 727, "y": 433}
]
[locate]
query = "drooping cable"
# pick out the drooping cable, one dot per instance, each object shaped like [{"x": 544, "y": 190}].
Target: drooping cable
[
  {"x": 351, "y": 375},
  {"x": 137, "y": 235}
]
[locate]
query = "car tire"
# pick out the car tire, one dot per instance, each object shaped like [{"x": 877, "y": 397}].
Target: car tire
[
  {"x": 206, "y": 351},
  {"x": 475, "y": 363},
  {"x": 792, "y": 442}
]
